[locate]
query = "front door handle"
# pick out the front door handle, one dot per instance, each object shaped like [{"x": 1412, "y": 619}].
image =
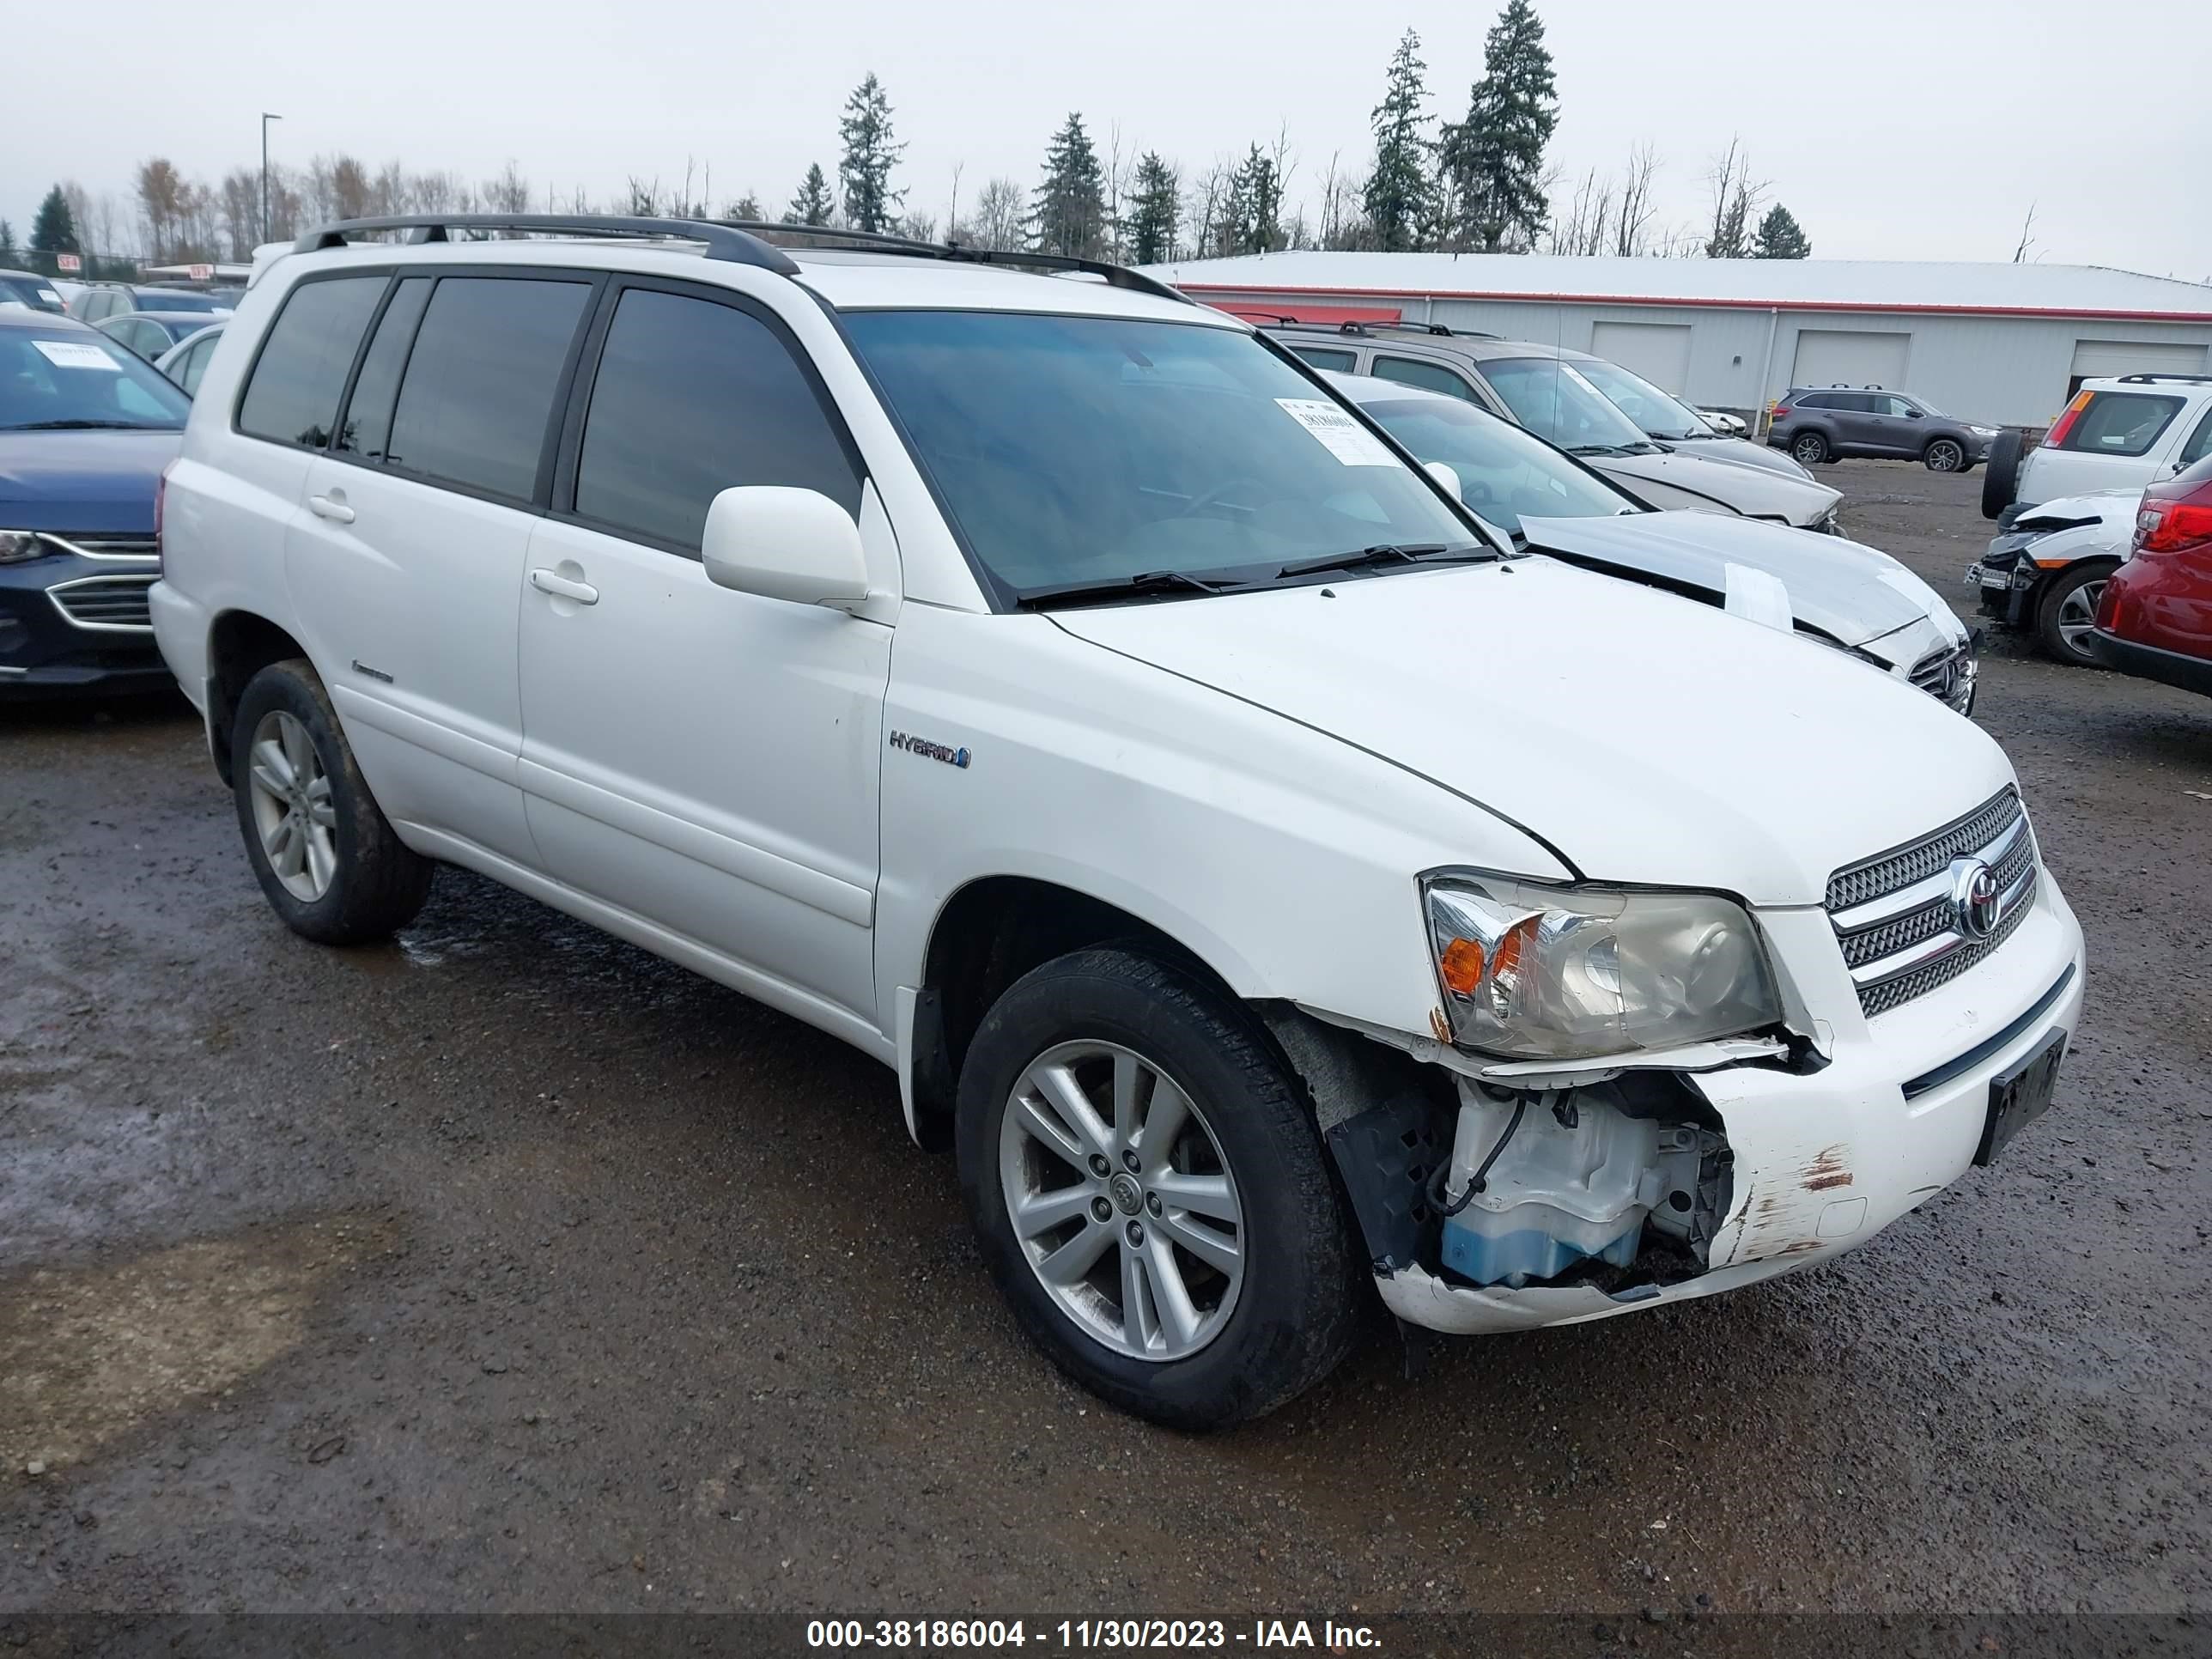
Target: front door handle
[
  {"x": 548, "y": 582},
  {"x": 331, "y": 506}
]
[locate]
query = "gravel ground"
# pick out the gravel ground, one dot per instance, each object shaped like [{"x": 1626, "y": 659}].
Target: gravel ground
[{"x": 506, "y": 1267}]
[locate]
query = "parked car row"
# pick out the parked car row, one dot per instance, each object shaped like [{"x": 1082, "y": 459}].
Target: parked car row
[{"x": 1279, "y": 887}]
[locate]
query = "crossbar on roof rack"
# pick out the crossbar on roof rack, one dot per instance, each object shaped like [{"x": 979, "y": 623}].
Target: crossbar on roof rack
[{"x": 725, "y": 242}]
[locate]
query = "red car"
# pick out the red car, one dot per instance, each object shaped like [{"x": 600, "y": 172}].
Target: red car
[{"x": 2155, "y": 617}]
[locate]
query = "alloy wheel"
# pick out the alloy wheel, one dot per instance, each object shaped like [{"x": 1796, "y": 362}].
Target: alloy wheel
[
  {"x": 1944, "y": 456},
  {"x": 2077, "y": 617},
  {"x": 292, "y": 807},
  {"x": 1122, "y": 1201},
  {"x": 1809, "y": 452}
]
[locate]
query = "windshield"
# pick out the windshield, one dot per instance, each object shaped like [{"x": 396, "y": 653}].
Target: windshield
[
  {"x": 1660, "y": 414},
  {"x": 1081, "y": 451},
  {"x": 180, "y": 299},
  {"x": 57, "y": 382},
  {"x": 1553, "y": 401},
  {"x": 1505, "y": 474}
]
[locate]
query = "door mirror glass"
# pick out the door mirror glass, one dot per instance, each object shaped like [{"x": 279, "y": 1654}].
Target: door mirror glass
[
  {"x": 785, "y": 544},
  {"x": 1446, "y": 475}
]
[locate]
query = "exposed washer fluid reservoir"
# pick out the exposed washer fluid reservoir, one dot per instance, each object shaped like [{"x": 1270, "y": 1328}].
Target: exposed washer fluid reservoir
[{"x": 1569, "y": 1183}]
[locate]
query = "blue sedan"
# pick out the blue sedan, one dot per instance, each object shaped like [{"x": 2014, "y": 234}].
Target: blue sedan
[{"x": 86, "y": 430}]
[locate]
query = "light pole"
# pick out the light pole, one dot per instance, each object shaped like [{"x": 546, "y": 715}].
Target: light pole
[{"x": 266, "y": 118}]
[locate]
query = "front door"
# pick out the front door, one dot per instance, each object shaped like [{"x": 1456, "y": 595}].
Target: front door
[{"x": 702, "y": 759}]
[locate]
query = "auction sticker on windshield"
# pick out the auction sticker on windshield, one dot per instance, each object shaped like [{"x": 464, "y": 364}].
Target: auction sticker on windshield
[
  {"x": 1343, "y": 437},
  {"x": 70, "y": 354}
]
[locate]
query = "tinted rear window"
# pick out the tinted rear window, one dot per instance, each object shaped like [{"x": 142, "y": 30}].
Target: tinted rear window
[
  {"x": 1321, "y": 357},
  {"x": 1430, "y": 377},
  {"x": 180, "y": 299},
  {"x": 292, "y": 396},
  {"x": 478, "y": 393},
  {"x": 2121, "y": 424},
  {"x": 692, "y": 398}
]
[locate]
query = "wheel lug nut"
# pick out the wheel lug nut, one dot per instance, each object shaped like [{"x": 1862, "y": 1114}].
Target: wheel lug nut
[
  {"x": 1135, "y": 1235},
  {"x": 1153, "y": 1202},
  {"x": 1129, "y": 1162},
  {"x": 1101, "y": 1210},
  {"x": 1099, "y": 1166}
]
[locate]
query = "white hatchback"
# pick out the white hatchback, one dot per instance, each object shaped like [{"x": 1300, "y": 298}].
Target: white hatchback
[{"x": 1274, "y": 886}]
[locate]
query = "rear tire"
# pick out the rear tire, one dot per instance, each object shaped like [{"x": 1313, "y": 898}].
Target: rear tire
[
  {"x": 327, "y": 859},
  {"x": 1944, "y": 455},
  {"x": 1809, "y": 449},
  {"x": 2067, "y": 610},
  {"x": 1205, "y": 1337},
  {"x": 2001, "y": 483}
]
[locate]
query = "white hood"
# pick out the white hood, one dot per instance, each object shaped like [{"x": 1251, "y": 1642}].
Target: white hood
[
  {"x": 1753, "y": 491},
  {"x": 1647, "y": 738}
]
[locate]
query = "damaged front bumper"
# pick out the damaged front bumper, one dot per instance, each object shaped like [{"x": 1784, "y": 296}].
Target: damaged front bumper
[{"x": 1807, "y": 1156}]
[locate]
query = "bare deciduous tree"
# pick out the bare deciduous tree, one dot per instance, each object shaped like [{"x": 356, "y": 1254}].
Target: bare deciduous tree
[
  {"x": 1736, "y": 196},
  {"x": 1000, "y": 207}
]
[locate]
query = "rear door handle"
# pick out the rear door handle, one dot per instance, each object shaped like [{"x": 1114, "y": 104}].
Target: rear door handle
[
  {"x": 331, "y": 506},
  {"x": 547, "y": 581}
]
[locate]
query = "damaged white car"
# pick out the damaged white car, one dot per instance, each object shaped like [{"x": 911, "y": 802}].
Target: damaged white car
[{"x": 1275, "y": 886}]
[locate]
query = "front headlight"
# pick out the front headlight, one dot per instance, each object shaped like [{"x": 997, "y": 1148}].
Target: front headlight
[
  {"x": 1983, "y": 431},
  {"x": 18, "y": 545},
  {"x": 1558, "y": 973}
]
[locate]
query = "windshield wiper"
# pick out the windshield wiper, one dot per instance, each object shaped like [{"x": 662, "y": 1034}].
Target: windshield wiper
[
  {"x": 1388, "y": 553},
  {"x": 1146, "y": 581},
  {"x": 88, "y": 426}
]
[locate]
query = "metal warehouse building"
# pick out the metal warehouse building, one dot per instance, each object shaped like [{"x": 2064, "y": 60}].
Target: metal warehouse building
[{"x": 2004, "y": 343}]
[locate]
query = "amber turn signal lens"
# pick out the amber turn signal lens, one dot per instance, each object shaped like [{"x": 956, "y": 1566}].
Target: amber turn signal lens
[{"x": 1462, "y": 967}]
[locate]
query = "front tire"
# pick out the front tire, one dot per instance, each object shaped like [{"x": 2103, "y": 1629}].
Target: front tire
[
  {"x": 2066, "y": 615},
  {"x": 1944, "y": 455},
  {"x": 1809, "y": 449},
  {"x": 1150, "y": 1192},
  {"x": 327, "y": 859}
]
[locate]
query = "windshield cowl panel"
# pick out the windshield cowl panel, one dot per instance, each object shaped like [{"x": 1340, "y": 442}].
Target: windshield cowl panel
[{"x": 1084, "y": 459}]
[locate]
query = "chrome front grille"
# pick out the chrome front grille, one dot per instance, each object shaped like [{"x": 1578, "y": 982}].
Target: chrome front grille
[
  {"x": 105, "y": 604},
  {"x": 133, "y": 548},
  {"x": 1918, "y": 917},
  {"x": 1948, "y": 674}
]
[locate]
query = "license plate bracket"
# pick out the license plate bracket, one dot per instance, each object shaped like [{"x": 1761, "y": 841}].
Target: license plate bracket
[{"x": 2019, "y": 1096}]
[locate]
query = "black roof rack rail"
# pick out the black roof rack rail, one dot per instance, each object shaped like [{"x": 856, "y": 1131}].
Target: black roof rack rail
[
  {"x": 1356, "y": 327},
  {"x": 722, "y": 241},
  {"x": 2165, "y": 374},
  {"x": 882, "y": 242}
]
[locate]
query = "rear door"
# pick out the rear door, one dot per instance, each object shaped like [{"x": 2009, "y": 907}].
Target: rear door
[
  {"x": 704, "y": 759},
  {"x": 408, "y": 555}
]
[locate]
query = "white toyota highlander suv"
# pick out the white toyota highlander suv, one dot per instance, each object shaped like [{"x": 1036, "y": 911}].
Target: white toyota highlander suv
[{"x": 1266, "y": 880}]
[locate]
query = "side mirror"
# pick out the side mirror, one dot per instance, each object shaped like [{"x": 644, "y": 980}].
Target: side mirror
[
  {"x": 1442, "y": 473},
  {"x": 1912, "y": 414},
  {"x": 784, "y": 543}
]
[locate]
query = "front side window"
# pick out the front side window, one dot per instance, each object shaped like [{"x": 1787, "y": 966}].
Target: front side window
[
  {"x": 193, "y": 364},
  {"x": 1504, "y": 473},
  {"x": 293, "y": 394},
  {"x": 693, "y": 398},
  {"x": 1430, "y": 377},
  {"x": 1081, "y": 450},
  {"x": 477, "y": 400},
  {"x": 1553, "y": 401},
  {"x": 81, "y": 380},
  {"x": 2121, "y": 424}
]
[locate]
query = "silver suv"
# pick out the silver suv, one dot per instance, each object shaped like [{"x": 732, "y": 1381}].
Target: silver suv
[{"x": 1555, "y": 394}]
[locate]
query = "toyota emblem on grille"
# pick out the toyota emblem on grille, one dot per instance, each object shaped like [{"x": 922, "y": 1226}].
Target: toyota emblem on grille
[{"x": 1974, "y": 896}]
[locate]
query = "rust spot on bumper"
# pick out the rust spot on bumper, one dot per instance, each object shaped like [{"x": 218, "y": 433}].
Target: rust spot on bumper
[
  {"x": 1827, "y": 1171},
  {"x": 1439, "y": 1026}
]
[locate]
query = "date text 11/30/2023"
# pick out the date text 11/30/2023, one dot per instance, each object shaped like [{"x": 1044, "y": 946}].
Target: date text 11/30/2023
[{"x": 1126, "y": 1635}]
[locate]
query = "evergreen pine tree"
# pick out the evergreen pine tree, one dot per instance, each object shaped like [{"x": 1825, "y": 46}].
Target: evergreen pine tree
[
  {"x": 1259, "y": 204},
  {"x": 54, "y": 229},
  {"x": 746, "y": 207},
  {"x": 1399, "y": 189},
  {"x": 865, "y": 173},
  {"x": 812, "y": 205},
  {"x": 1154, "y": 208},
  {"x": 1780, "y": 236},
  {"x": 1067, "y": 215},
  {"x": 1496, "y": 156},
  {"x": 8, "y": 255}
]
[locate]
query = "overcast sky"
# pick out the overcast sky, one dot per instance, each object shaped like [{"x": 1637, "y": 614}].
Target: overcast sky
[{"x": 1893, "y": 129}]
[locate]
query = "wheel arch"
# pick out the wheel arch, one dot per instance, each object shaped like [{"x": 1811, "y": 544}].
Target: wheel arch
[
  {"x": 241, "y": 644},
  {"x": 987, "y": 934}
]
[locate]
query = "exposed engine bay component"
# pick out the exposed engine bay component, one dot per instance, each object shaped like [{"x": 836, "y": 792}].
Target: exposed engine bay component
[{"x": 1533, "y": 1188}]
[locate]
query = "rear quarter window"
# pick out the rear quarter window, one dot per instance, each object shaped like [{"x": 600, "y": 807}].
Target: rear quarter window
[
  {"x": 2122, "y": 424},
  {"x": 292, "y": 395}
]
